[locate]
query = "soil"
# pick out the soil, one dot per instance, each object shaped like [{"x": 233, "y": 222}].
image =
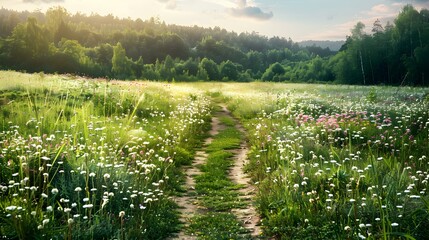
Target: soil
[{"x": 188, "y": 202}]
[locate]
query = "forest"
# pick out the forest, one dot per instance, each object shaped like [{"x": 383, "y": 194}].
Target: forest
[{"x": 110, "y": 47}]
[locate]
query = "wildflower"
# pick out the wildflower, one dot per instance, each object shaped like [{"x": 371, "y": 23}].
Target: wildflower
[
  {"x": 54, "y": 191},
  {"x": 106, "y": 176},
  {"x": 49, "y": 209},
  {"x": 121, "y": 214},
  {"x": 70, "y": 221},
  {"x": 105, "y": 201},
  {"x": 44, "y": 195},
  {"x": 11, "y": 208},
  {"x": 87, "y": 206},
  {"x": 347, "y": 228},
  {"x": 45, "y": 221},
  {"x": 85, "y": 199},
  {"x": 78, "y": 189},
  {"x": 395, "y": 224},
  {"x": 361, "y": 236}
]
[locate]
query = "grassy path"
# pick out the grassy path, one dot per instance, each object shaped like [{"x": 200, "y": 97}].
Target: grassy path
[{"x": 218, "y": 200}]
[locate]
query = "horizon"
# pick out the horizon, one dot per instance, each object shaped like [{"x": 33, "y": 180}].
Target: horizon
[{"x": 322, "y": 22}]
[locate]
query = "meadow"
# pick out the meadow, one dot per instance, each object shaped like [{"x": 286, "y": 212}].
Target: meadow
[{"x": 96, "y": 159}]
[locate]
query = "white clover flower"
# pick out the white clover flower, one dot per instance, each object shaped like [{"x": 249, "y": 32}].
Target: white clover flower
[
  {"x": 11, "y": 208},
  {"x": 87, "y": 206},
  {"x": 78, "y": 189},
  {"x": 45, "y": 221},
  {"x": 49, "y": 208},
  {"x": 394, "y": 224},
  {"x": 70, "y": 221},
  {"x": 121, "y": 214},
  {"x": 54, "y": 190}
]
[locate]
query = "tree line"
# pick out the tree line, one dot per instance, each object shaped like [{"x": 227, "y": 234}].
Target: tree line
[{"x": 110, "y": 47}]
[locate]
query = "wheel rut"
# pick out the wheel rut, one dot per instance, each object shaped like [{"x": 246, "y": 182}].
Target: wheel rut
[{"x": 189, "y": 205}]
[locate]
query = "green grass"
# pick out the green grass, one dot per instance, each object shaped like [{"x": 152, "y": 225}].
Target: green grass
[
  {"x": 349, "y": 166},
  {"x": 329, "y": 162},
  {"x": 87, "y": 159},
  {"x": 217, "y": 193},
  {"x": 215, "y": 225}
]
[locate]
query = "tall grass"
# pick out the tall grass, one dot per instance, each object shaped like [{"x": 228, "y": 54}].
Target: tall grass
[
  {"x": 340, "y": 162},
  {"x": 86, "y": 159}
]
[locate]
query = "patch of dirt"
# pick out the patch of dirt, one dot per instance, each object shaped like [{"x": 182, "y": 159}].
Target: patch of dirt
[
  {"x": 188, "y": 202},
  {"x": 249, "y": 217}
]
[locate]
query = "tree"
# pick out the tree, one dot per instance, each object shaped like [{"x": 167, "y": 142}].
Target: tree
[
  {"x": 121, "y": 64},
  {"x": 228, "y": 70},
  {"x": 274, "y": 72},
  {"x": 210, "y": 68}
]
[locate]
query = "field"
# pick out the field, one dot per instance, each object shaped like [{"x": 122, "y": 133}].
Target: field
[{"x": 96, "y": 159}]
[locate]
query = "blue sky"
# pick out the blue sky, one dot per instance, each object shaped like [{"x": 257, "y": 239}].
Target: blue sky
[{"x": 297, "y": 19}]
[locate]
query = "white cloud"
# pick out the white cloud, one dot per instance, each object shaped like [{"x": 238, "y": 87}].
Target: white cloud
[
  {"x": 42, "y": 1},
  {"x": 169, "y": 4},
  {"x": 244, "y": 9}
]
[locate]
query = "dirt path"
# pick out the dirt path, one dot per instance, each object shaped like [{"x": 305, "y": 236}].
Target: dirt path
[
  {"x": 248, "y": 216},
  {"x": 188, "y": 202}
]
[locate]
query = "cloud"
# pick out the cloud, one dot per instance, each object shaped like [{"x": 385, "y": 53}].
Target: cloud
[
  {"x": 42, "y": 1},
  {"x": 169, "y": 4},
  {"x": 243, "y": 9},
  {"x": 408, "y": 1}
]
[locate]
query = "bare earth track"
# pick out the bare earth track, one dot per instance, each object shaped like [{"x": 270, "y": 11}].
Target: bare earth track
[{"x": 188, "y": 202}]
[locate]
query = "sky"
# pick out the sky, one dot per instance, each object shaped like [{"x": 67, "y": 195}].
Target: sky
[{"x": 296, "y": 19}]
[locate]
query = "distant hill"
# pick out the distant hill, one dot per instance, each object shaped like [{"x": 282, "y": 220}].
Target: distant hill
[{"x": 332, "y": 45}]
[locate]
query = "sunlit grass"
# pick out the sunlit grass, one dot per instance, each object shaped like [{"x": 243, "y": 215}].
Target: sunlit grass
[
  {"x": 84, "y": 159},
  {"x": 339, "y": 162},
  {"x": 90, "y": 159}
]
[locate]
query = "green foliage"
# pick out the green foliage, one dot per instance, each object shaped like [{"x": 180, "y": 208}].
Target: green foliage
[
  {"x": 121, "y": 64},
  {"x": 82, "y": 45},
  {"x": 211, "y": 68}
]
